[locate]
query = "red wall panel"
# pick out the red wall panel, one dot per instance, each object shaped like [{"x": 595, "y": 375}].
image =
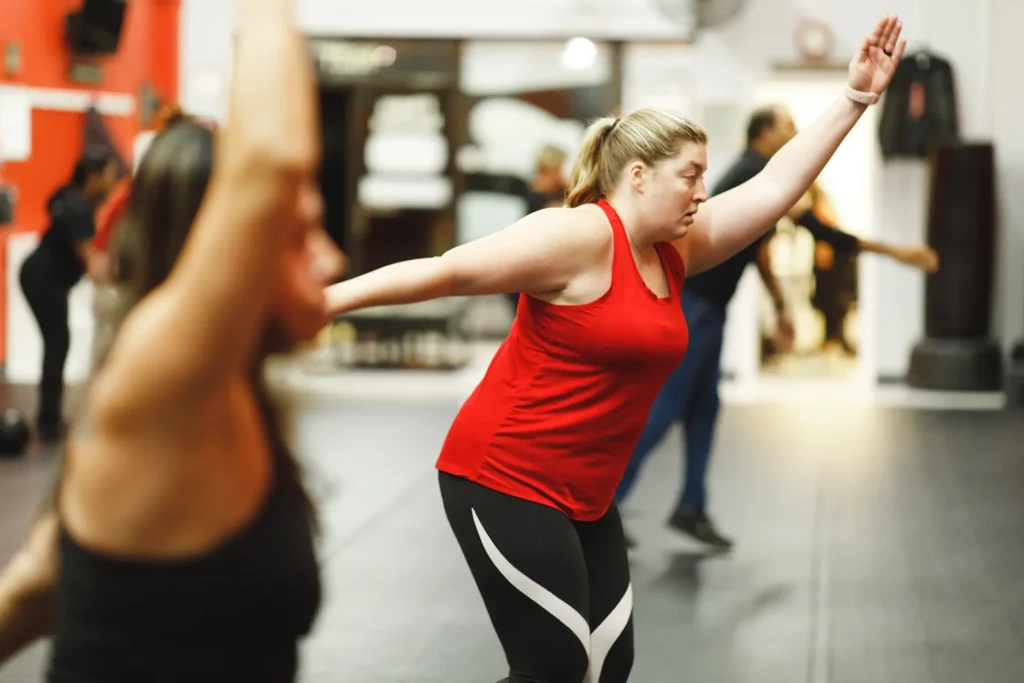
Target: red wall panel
[{"x": 148, "y": 53}]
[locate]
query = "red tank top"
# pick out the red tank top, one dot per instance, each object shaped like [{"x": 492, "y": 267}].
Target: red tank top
[
  {"x": 558, "y": 412},
  {"x": 110, "y": 213}
]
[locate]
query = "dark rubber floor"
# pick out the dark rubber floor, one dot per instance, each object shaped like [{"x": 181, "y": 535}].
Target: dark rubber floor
[{"x": 873, "y": 546}]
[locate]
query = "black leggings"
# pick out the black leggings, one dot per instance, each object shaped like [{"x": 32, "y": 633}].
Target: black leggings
[
  {"x": 557, "y": 591},
  {"x": 49, "y": 303}
]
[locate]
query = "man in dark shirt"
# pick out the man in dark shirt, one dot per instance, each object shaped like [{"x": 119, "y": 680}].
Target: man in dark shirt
[
  {"x": 691, "y": 392},
  {"x": 55, "y": 267}
]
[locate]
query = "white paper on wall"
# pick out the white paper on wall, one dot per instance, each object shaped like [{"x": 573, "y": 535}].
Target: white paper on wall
[{"x": 15, "y": 123}]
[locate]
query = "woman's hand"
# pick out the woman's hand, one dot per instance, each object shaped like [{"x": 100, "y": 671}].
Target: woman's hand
[
  {"x": 872, "y": 68},
  {"x": 919, "y": 256},
  {"x": 99, "y": 267},
  {"x": 26, "y": 589}
]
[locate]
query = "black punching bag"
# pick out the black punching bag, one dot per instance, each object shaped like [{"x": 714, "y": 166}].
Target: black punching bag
[
  {"x": 957, "y": 353},
  {"x": 1015, "y": 377}
]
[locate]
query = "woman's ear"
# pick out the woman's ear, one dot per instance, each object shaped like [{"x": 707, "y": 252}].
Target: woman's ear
[{"x": 637, "y": 175}]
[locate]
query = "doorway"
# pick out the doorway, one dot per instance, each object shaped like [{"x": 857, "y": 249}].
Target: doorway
[
  {"x": 823, "y": 288},
  {"x": 405, "y": 184}
]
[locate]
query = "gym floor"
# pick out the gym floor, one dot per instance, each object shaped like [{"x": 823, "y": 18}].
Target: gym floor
[{"x": 874, "y": 545}]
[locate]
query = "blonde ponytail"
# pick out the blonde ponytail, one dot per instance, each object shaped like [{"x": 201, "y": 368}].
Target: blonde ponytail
[
  {"x": 649, "y": 135},
  {"x": 585, "y": 183}
]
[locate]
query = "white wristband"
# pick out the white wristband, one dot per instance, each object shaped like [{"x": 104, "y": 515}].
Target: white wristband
[{"x": 862, "y": 97}]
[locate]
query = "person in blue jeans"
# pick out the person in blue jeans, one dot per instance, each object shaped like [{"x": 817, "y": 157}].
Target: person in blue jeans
[{"x": 691, "y": 392}]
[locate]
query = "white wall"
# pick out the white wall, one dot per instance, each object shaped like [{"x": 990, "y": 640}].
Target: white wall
[
  {"x": 207, "y": 25},
  {"x": 734, "y": 57},
  {"x": 980, "y": 38}
]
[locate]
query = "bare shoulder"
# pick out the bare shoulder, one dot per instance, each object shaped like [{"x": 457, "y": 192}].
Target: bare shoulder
[
  {"x": 543, "y": 252},
  {"x": 592, "y": 228},
  {"x": 587, "y": 222},
  {"x": 146, "y": 371},
  {"x": 118, "y": 470},
  {"x": 587, "y": 236},
  {"x": 584, "y": 229},
  {"x": 151, "y": 484}
]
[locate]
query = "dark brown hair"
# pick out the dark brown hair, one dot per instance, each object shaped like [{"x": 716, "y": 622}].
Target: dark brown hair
[
  {"x": 164, "y": 200},
  {"x": 762, "y": 119}
]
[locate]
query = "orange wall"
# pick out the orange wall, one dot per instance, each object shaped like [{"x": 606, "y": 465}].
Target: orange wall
[{"x": 148, "y": 52}]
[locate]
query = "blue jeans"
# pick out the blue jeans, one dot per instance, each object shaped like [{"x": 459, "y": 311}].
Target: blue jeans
[{"x": 690, "y": 394}]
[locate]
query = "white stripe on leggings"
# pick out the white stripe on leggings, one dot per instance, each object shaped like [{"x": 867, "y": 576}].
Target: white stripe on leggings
[
  {"x": 607, "y": 633},
  {"x": 557, "y": 607},
  {"x": 597, "y": 645}
]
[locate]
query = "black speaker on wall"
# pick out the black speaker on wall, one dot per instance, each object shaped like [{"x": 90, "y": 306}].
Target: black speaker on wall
[
  {"x": 95, "y": 29},
  {"x": 957, "y": 353}
]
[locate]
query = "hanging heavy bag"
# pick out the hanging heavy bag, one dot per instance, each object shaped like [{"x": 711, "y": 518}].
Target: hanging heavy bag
[{"x": 957, "y": 353}]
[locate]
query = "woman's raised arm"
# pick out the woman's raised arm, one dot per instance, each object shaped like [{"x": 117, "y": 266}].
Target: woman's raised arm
[
  {"x": 205, "y": 321},
  {"x": 732, "y": 220}
]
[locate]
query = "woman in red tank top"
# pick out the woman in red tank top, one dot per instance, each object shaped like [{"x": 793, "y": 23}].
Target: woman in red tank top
[{"x": 529, "y": 468}]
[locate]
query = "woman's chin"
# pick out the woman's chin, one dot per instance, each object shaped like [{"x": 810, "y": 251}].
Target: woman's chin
[{"x": 299, "y": 330}]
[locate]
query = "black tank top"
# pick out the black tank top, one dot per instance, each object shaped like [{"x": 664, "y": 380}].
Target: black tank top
[{"x": 233, "y": 615}]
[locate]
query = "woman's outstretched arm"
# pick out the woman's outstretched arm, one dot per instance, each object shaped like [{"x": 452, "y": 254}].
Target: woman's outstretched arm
[
  {"x": 729, "y": 222},
  {"x": 540, "y": 253}
]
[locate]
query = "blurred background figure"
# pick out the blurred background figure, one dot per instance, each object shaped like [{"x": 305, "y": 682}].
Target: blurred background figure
[
  {"x": 47, "y": 276},
  {"x": 835, "y": 272},
  {"x": 547, "y": 188}
]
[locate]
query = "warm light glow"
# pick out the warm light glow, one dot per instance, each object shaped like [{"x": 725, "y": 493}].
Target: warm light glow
[
  {"x": 579, "y": 54},
  {"x": 384, "y": 55}
]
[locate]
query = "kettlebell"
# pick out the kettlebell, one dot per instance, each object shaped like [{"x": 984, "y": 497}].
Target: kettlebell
[{"x": 14, "y": 434}]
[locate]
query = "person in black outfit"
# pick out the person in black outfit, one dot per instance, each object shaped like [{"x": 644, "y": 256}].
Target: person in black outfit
[
  {"x": 49, "y": 273},
  {"x": 691, "y": 392},
  {"x": 835, "y": 291},
  {"x": 179, "y": 544}
]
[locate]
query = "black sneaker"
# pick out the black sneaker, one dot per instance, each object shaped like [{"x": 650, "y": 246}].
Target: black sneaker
[{"x": 696, "y": 523}]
